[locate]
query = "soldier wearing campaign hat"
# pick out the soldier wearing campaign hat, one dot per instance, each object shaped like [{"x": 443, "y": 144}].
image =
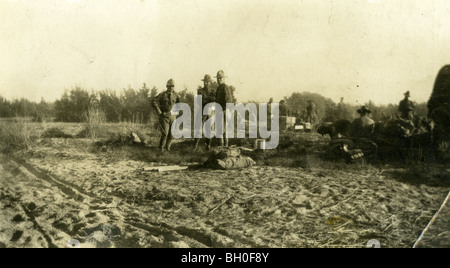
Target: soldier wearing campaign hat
[
  {"x": 406, "y": 107},
  {"x": 364, "y": 126},
  {"x": 223, "y": 96},
  {"x": 163, "y": 104},
  {"x": 310, "y": 112}
]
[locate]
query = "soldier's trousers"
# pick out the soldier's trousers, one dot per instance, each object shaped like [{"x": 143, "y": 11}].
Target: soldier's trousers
[
  {"x": 221, "y": 140},
  {"x": 204, "y": 118},
  {"x": 165, "y": 126},
  {"x": 407, "y": 115}
]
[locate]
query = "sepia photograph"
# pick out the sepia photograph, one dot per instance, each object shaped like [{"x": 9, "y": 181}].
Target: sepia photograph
[{"x": 224, "y": 124}]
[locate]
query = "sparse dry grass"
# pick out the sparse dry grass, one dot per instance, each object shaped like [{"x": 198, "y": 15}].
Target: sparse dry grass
[
  {"x": 94, "y": 119},
  {"x": 16, "y": 135},
  {"x": 112, "y": 140}
]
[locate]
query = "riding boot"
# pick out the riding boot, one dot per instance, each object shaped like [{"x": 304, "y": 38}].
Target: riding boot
[
  {"x": 162, "y": 143},
  {"x": 197, "y": 141},
  {"x": 169, "y": 143}
]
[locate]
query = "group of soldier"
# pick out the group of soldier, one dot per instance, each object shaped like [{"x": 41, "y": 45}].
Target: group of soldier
[
  {"x": 165, "y": 101},
  {"x": 361, "y": 127},
  {"x": 367, "y": 136},
  {"x": 364, "y": 125}
]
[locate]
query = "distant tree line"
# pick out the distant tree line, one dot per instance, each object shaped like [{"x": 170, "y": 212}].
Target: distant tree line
[
  {"x": 135, "y": 105},
  {"x": 39, "y": 111},
  {"x": 130, "y": 105},
  {"x": 75, "y": 105}
]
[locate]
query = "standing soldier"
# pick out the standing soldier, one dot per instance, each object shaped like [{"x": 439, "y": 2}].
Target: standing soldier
[
  {"x": 223, "y": 96},
  {"x": 269, "y": 107},
  {"x": 283, "y": 110},
  {"x": 269, "y": 113},
  {"x": 163, "y": 104},
  {"x": 311, "y": 112},
  {"x": 406, "y": 108},
  {"x": 341, "y": 109},
  {"x": 207, "y": 93}
]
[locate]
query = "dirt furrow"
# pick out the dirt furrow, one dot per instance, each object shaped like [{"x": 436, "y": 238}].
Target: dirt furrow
[
  {"x": 172, "y": 235},
  {"x": 72, "y": 191},
  {"x": 39, "y": 227}
]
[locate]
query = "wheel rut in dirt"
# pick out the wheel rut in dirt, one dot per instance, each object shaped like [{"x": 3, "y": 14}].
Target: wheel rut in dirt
[
  {"x": 72, "y": 191},
  {"x": 198, "y": 238},
  {"x": 30, "y": 215}
]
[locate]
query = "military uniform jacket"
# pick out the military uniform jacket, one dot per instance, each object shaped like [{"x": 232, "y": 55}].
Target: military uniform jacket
[
  {"x": 223, "y": 96},
  {"x": 207, "y": 95},
  {"x": 363, "y": 127},
  {"x": 283, "y": 110},
  {"x": 406, "y": 106},
  {"x": 311, "y": 108},
  {"x": 165, "y": 101}
]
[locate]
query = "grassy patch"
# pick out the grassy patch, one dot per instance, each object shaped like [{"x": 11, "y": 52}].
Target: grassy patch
[{"x": 16, "y": 135}]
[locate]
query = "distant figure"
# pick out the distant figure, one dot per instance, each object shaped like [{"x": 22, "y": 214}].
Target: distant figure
[
  {"x": 283, "y": 108},
  {"x": 406, "y": 107},
  {"x": 269, "y": 113},
  {"x": 207, "y": 93},
  {"x": 223, "y": 96},
  {"x": 363, "y": 127},
  {"x": 310, "y": 112},
  {"x": 269, "y": 107},
  {"x": 341, "y": 109},
  {"x": 163, "y": 104}
]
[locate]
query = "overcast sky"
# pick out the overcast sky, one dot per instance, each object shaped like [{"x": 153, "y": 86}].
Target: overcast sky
[{"x": 359, "y": 49}]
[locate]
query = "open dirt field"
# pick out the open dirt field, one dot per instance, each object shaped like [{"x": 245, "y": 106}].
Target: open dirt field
[{"x": 61, "y": 189}]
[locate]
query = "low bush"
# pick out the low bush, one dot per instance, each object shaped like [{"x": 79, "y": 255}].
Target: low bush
[{"x": 15, "y": 136}]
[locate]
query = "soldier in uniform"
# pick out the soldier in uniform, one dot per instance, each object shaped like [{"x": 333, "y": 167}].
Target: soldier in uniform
[
  {"x": 283, "y": 111},
  {"x": 269, "y": 113},
  {"x": 223, "y": 96},
  {"x": 163, "y": 104},
  {"x": 311, "y": 112},
  {"x": 364, "y": 126},
  {"x": 341, "y": 109},
  {"x": 269, "y": 107},
  {"x": 362, "y": 131},
  {"x": 207, "y": 93},
  {"x": 406, "y": 108}
]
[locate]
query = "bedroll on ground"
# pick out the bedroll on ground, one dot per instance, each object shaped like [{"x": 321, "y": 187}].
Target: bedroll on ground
[{"x": 228, "y": 159}]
